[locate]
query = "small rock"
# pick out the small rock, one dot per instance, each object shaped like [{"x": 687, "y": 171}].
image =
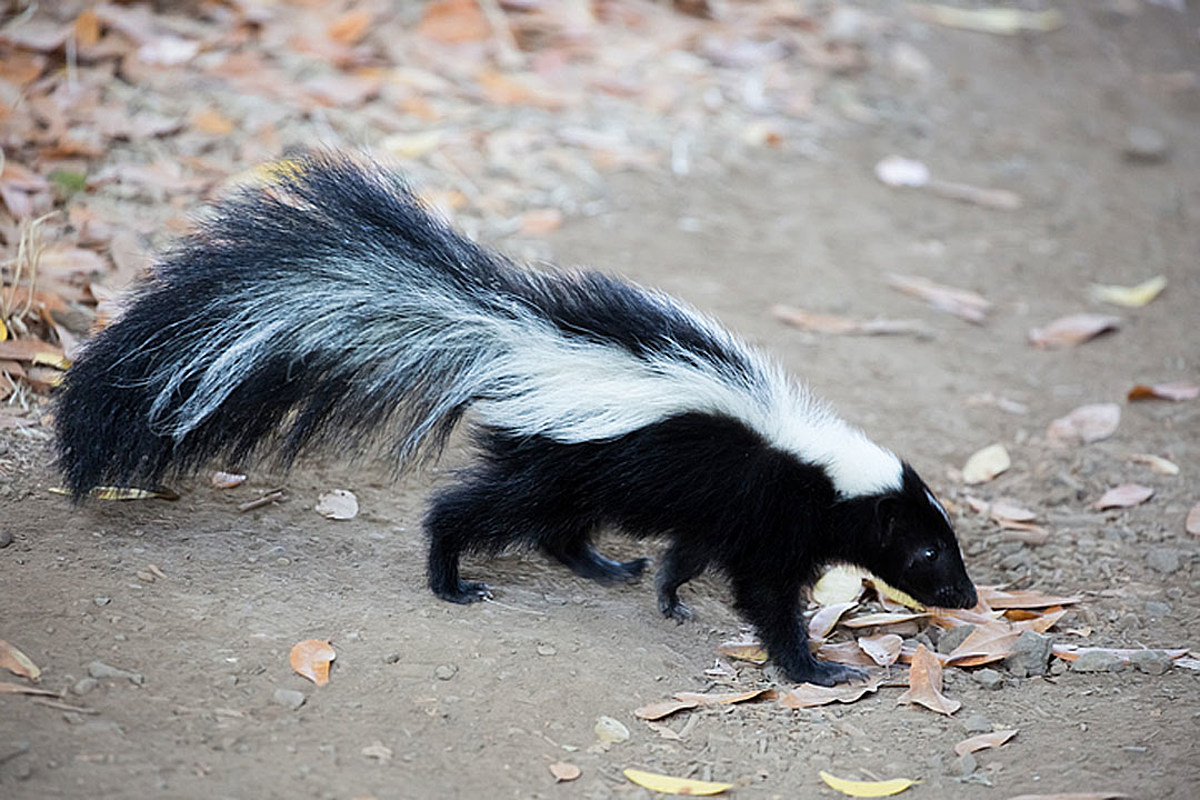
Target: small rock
[
  {"x": 289, "y": 698},
  {"x": 6, "y": 538},
  {"x": 1163, "y": 559},
  {"x": 445, "y": 672},
  {"x": 1151, "y": 662},
  {"x": 1129, "y": 622},
  {"x": 1031, "y": 655},
  {"x": 1145, "y": 145},
  {"x": 965, "y": 764},
  {"x": 84, "y": 685},
  {"x": 1157, "y": 610},
  {"x": 101, "y": 601},
  {"x": 546, "y": 649},
  {"x": 977, "y": 723},
  {"x": 98, "y": 669},
  {"x": 953, "y": 638},
  {"x": 988, "y": 678},
  {"x": 1097, "y": 661},
  {"x": 391, "y": 658}
]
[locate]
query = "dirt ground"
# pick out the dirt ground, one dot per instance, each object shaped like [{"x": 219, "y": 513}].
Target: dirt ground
[{"x": 433, "y": 700}]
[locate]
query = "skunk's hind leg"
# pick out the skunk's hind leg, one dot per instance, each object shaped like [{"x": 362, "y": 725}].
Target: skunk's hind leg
[
  {"x": 576, "y": 552},
  {"x": 455, "y": 525},
  {"x": 680, "y": 565}
]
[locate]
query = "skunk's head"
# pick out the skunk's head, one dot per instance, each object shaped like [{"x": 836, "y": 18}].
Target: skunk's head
[{"x": 904, "y": 536}]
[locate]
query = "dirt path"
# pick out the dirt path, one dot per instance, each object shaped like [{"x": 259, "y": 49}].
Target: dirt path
[{"x": 433, "y": 700}]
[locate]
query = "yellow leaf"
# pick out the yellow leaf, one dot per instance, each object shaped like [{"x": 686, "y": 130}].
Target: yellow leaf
[
  {"x": 1130, "y": 296},
  {"x": 839, "y": 584},
  {"x": 3, "y": 331},
  {"x": 867, "y": 788},
  {"x": 892, "y": 593},
  {"x": 998, "y": 21},
  {"x": 986, "y": 464},
  {"x": 669, "y": 785}
]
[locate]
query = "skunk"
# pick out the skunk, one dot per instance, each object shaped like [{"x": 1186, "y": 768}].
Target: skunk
[{"x": 327, "y": 306}]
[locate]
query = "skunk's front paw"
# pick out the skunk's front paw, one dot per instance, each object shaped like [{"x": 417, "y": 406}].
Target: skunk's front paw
[
  {"x": 673, "y": 608},
  {"x": 827, "y": 673},
  {"x": 467, "y": 592}
]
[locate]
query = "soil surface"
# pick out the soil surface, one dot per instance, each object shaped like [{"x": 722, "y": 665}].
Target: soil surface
[{"x": 429, "y": 699}]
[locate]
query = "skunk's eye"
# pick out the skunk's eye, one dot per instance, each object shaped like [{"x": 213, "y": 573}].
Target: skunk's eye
[{"x": 930, "y": 553}]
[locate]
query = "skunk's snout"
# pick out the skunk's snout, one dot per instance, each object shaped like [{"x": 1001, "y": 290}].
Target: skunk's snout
[{"x": 956, "y": 596}]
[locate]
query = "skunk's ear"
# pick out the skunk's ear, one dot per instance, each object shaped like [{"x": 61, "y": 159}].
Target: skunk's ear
[{"x": 885, "y": 518}]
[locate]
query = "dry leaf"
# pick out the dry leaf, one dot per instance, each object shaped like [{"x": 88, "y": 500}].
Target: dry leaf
[
  {"x": 610, "y": 731},
  {"x": 1022, "y": 598},
  {"x": 845, "y": 326},
  {"x": 827, "y": 618},
  {"x": 848, "y": 653},
  {"x": 1003, "y": 510},
  {"x": 983, "y": 741},
  {"x": 986, "y": 464},
  {"x": 669, "y": 785},
  {"x": 562, "y": 771},
  {"x": 753, "y": 652},
  {"x": 1159, "y": 464},
  {"x": 867, "y": 788},
  {"x": 986, "y": 644},
  {"x": 809, "y": 695},
  {"x": 1070, "y": 652},
  {"x": 925, "y": 684},
  {"x": 1175, "y": 390},
  {"x": 1130, "y": 296},
  {"x": 1192, "y": 524},
  {"x": 1124, "y": 496},
  {"x": 227, "y": 480},
  {"x": 1072, "y": 330},
  {"x": 311, "y": 659},
  {"x": 994, "y": 20},
  {"x": 1089, "y": 423},
  {"x": 721, "y": 699},
  {"x": 338, "y": 504},
  {"x": 887, "y": 592},
  {"x": 839, "y": 584},
  {"x": 349, "y": 28},
  {"x": 872, "y": 620},
  {"x": 961, "y": 303},
  {"x": 1072, "y": 796},
  {"x": 16, "y": 662},
  {"x": 128, "y": 493},
  {"x": 883, "y": 648},
  {"x": 454, "y": 22},
  {"x": 20, "y": 688},
  {"x": 663, "y": 708}
]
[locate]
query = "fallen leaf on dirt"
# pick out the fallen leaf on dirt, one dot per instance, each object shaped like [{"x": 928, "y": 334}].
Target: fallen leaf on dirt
[
  {"x": 1089, "y": 423},
  {"x": 753, "y": 652},
  {"x": 1192, "y": 524},
  {"x": 1022, "y": 598},
  {"x": 31, "y": 350},
  {"x": 983, "y": 741},
  {"x": 986, "y": 464},
  {"x": 338, "y": 504},
  {"x": 1129, "y": 296},
  {"x": 1175, "y": 390},
  {"x": 349, "y": 28},
  {"x": 1004, "y": 510},
  {"x": 20, "y": 688},
  {"x": 663, "y": 708},
  {"x": 1162, "y": 466},
  {"x": 227, "y": 480},
  {"x": 994, "y": 20},
  {"x": 1124, "y": 496},
  {"x": 562, "y": 771},
  {"x": 669, "y": 785},
  {"x": 610, "y": 731},
  {"x": 867, "y": 788},
  {"x": 845, "y": 326},
  {"x": 961, "y": 303},
  {"x": 871, "y": 620},
  {"x": 883, "y": 648},
  {"x": 826, "y": 619},
  {"x": 16, "y": 662},
  {"x": 723, "y": 698},
  {"x": 809, "y": 695},
  {"x": 925, "y": 684},
  {"x": 311, "y": 658},
  {"x": 841, "y": 583},
  {"x": 1070, "y": 652},
  {"x": 454, "y": 21},
  {"x": 1072, "y": 330},
  {"x": 848, "y": 653},
  {"x": 125, "y": 493},
  {"x": 986, "y": 644},
  {"x": 1072, "y": 796}
]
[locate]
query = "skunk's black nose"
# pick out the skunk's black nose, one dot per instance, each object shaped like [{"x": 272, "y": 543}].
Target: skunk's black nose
[{"x": 957, "y": 596}]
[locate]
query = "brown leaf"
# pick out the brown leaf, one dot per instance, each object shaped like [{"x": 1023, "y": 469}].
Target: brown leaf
[
  {"x": 350, "y": 28},
  {"x": 872, "y": 620},
  {"x": 1088, "y": 423},
  {"x": 826, "y": 618},
  {"x": 808, "y": 695},
  {"x": 454, "y": 22},
  {"x": 986, "y": 644},
  {"x": 1022, "y": 598},
  {"x": 845, "y": 326},
  {"x": 311, "y": 658},
  {"x": 925, "y": 684},
  {"x": 1004, "y": 510},
  {"x": 1124, "y": 496},
  {"x": 744, "y": 651},
  {"x": 1070, "y": 652},
  {"x": 883, "y": 648},
  {"x": 983, "y": 741},
  {"x": 32, "y": 350},
  {"x": 721, "y": 698},
  {"x": 961, "y": 303},
  {"x": 17, "y": 662},
  {"x": 1192, "y": 524},
  {"x": 1175, "y": 390},
  {"x": 663, "y": 708},
  {"x": 562, "y": 771},
  {"x": 212, "y": 122},
  {"x": 848, "y": 653},
  {"x": 1072, "y": 330},
  {"x": 87, "y": 28}
]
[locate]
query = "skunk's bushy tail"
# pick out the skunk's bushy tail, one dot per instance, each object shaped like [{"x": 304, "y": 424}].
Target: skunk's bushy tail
[{"x": 329, "y": 306}]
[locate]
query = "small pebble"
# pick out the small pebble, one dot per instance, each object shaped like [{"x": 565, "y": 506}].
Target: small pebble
[
  {"x": 988, "y": 678},
  {"x": 1157, "y": 610},
  {"x": 965, "y": 764},
  {"x": 1031, "y": 655},
  {"x": 1145, "y": 145},
  {"x": 1097, "y": 661},
  {"x": 84, "y": 685},
  {"x": 546, "y": 649},
  {"x": 102, "y": 601},
  {"x": 289, "y": 698},
  {"x": 445, "y": 672},
  {"x": 953, "y": 638},
  {"x": 1151, "y": 662},
  {"x": 6, "y": 538},
  {"x": 98, "y": 669},
  {"x": 977, "y": 723},
  {"x": 1129, "y": 622},
  {"x": 1163, "y": 559},
  {"x": 391, "y": 658}
]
